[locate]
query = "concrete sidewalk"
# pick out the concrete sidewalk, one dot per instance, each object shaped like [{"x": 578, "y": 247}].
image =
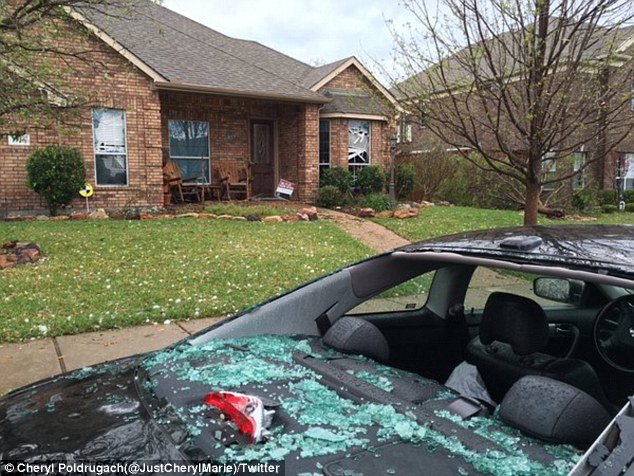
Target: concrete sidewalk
[{"x": 28, "y": 362}]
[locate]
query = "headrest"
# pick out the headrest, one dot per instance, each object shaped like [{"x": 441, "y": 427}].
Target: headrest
[
  {"x": 553, "y": 411},
  {"x": 356, "y": 336},
  {"x": 515, "y": 320}
]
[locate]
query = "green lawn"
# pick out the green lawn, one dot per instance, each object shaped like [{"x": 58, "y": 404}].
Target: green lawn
[
  {"x": 438, "y": 221},
  {"x": 113, "y": 274}
]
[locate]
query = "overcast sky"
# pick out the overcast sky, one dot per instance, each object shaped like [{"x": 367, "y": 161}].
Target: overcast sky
[{"x": 313, "y": 31}]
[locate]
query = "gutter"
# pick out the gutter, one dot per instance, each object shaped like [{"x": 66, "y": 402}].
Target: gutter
[{"x": 192, "y": 88}]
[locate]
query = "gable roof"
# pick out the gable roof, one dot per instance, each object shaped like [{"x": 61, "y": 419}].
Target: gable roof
[
  {"x": 181, "y": 54},
  {"x": 604, "y": 41}
]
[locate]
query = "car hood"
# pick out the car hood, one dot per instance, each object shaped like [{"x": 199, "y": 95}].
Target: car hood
[{"x": 88, "y": 414}]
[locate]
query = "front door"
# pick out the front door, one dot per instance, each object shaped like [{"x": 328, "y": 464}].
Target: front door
[{"x": 262, "y": 157}]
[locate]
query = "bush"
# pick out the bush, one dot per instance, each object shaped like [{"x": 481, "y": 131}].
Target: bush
[
  {"x": 584, "y": 200},
  {"x": 338, "y": 177},
  {"x": 370, "y": 179},
  {"x": 628, "y": 196},
  {"x": 609, "y": 209},
  {"x": 629, "y": 207},
  {"x": 607, "y": 197},
  {"x": 329, "y": 197},
  {"x": 56, "y": 173},
  {"x": 376, "y": 201},
  {"x": 405, "y": 179}
]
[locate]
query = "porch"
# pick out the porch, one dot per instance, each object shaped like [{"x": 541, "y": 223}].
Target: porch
[{"x": 217, "y": 142}]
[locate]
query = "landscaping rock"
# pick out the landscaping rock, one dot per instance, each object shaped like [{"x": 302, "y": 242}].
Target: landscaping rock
[
  {"x": 402, "y": 214},
  {"x": 414, "y": 212},
  {"x": 42, "y": 218},
  {"x": 239, "y": 218},
  {"x": 385, "y": 214},
  {"x": 132, "y": 214},
  {"x": 225, "y": 217},
  {"x": 272, "y": 219},
  {"x": 311, "y": 212},
  {"x": 302, "y": 216},
  {"x": 208, "y": 216},
  {"x": 404, "y": 206},
  {"x": 78, "y": 216},
  {"x": 425, "y": 204},
  {"x": 99, "y": 214},
  {"x": 444, "y": 203},
  {"x": 186, "y": 215},
  {"x": 367, "y": 213},
  {"x": 147, "y": 216},
  {"x": 60, "y": 218},
  {"x": 290, "y": 218},
  {"x": 19, "y": 253},
  {"x": 254, "y": 218}
]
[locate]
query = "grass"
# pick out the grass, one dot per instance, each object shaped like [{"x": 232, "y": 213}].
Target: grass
[
  {"x": 113, "y": 274},
  {"x": 438, "y": 221},
  {"x": 235, "y": 209}
]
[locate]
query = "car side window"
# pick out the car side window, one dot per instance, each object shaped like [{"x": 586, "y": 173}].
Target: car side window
[
  {"x": 408, "y": 296},
  {"x": 487, "y": 280}
]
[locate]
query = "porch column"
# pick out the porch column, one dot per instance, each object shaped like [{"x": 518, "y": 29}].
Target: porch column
[{"x": 308, "y": 153}]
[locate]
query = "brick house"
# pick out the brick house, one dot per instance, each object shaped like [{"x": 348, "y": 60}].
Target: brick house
[
  {"x": 611, "y": 170},
  {"x": 165, "y": 88}
]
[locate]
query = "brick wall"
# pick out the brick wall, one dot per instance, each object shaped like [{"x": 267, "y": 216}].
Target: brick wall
[{"x": 107, "y": 81}]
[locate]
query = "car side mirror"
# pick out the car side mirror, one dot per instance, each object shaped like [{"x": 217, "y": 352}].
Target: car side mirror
[{"x": 568, "y": 291}]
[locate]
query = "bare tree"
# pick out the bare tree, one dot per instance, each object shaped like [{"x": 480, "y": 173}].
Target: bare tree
[
  {"x": 36, "y": 59},
  {"x": 518, "y": 86}
]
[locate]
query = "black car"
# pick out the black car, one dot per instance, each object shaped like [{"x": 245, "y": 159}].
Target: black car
[{"x": 496, "y": 352}]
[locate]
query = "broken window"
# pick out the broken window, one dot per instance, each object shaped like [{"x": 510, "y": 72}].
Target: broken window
[
  {"x": 189, "y": 148},
  {"x": 109, "y": 141},
  {"x": 358, "y": 146}
]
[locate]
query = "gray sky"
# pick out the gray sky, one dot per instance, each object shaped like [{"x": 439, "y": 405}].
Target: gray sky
[{"x": 310, "y": 30}]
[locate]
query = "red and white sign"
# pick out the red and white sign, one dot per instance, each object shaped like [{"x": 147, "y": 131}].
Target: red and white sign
[{"x": 285, "y": 188}]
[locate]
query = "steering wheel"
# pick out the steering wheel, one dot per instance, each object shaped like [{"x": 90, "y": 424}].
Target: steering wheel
[{"x": 614, "y": 333}]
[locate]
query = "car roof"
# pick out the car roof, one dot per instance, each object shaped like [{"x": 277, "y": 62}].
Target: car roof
[{"x": 600, "y": 248}]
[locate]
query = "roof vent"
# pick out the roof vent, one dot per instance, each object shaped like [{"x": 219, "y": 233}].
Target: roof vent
[{"x": 521, "y": 243}]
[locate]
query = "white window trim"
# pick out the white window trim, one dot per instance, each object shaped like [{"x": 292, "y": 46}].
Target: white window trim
[
  {"x": 179, "y": 157},
  {"x": 576, "y": 167},
  {"x": 125, "y": 141}
]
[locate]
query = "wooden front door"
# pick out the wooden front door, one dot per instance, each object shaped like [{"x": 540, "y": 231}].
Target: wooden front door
[{"x": 262, "y": 157}]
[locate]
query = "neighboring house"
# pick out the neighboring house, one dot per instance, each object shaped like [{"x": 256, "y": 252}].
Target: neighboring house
[
  {"x": 165, "y": 88},
  {"x": 611, "y": 170}
]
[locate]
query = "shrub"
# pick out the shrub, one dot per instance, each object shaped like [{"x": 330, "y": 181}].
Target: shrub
[
  {"x": 338, "y": 177},
  {"x": 607, "y": 197},
  {"x": 329, "y": 197},
  {"x": 56, "y": 173},
  {"x": 584, "y": 200},
  {"x": 629, "y": 207},
  {"x": 405, "y": 179},
  {"x": 370, "y": 179},
  {"x": 609, "y": 209},
  {"x": 628, "y": 196},
  {"x": 376, "y": 201}
]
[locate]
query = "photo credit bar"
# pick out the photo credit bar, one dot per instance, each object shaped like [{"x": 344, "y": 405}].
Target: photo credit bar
[{"x": 99, "y": 468}]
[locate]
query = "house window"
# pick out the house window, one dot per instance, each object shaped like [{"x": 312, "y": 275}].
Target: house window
[
  {"x": 578, "y": 161},
  {"x": 189, "y": 148},
  {"x": 358, "y": 146},
  {"x": 408, "y": 132},
  {"x": 109, "y": 144},
  {"x": 627, "y": 171},
  {"x": 549, "y": 169},
  {"x": 324, "y": 145}
]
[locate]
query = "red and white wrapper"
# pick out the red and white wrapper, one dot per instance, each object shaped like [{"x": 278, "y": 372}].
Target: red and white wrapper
[{"x": 246, "y": 411}]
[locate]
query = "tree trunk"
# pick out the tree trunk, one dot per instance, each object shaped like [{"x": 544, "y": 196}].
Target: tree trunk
[{"x": 531, "y": 205}]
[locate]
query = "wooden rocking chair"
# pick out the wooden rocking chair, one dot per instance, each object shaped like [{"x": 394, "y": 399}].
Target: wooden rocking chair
[
  {"x": 234, "y": 179},
  {"x": 178, "y": 189}
]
